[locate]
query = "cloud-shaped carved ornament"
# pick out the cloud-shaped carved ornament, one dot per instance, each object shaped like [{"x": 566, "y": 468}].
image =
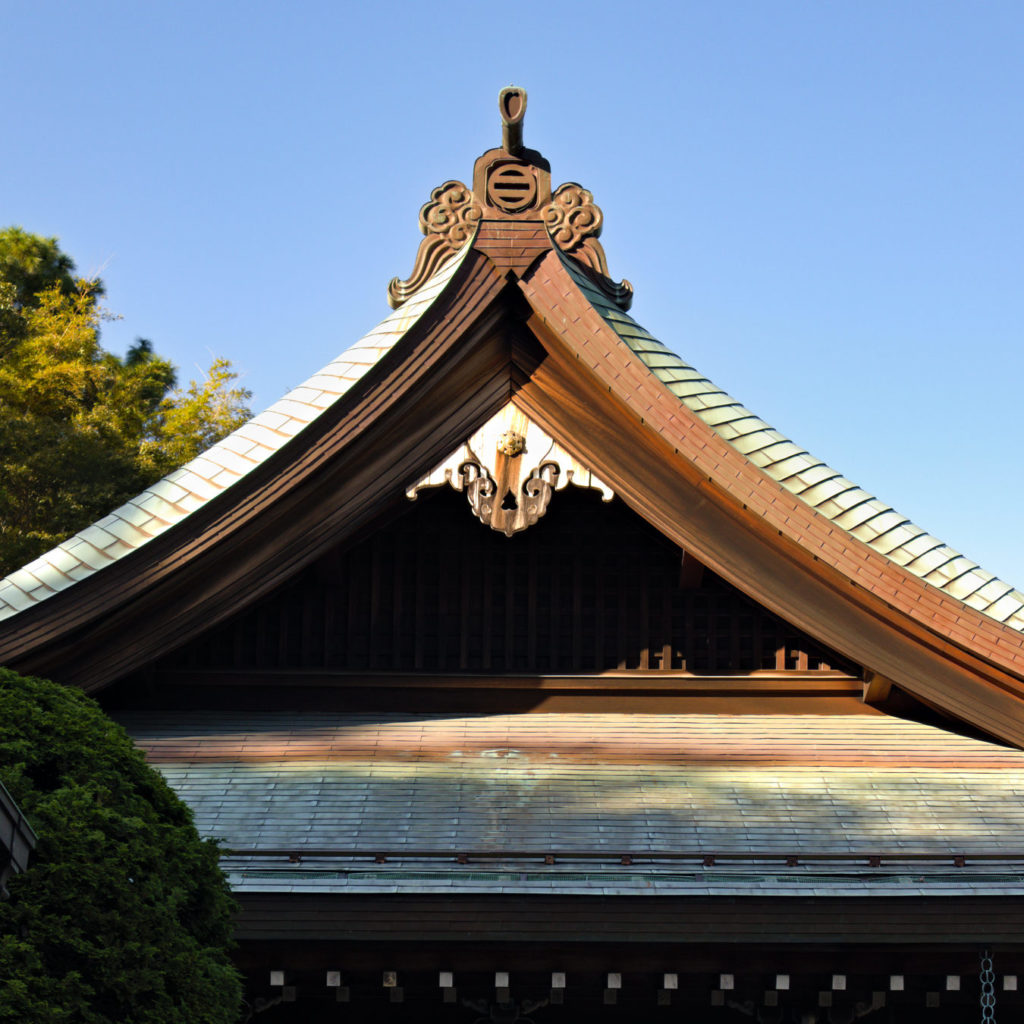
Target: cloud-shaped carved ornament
[
  {"x": 574, "y": 222},
  {"x": 449, "y": 220}
]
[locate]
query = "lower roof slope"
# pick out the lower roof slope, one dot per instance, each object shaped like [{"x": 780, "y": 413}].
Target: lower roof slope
[{"x": 341, "y": 790}]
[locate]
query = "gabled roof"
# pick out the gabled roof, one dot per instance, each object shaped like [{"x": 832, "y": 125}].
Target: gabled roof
[{"x": 510, "y": 298}]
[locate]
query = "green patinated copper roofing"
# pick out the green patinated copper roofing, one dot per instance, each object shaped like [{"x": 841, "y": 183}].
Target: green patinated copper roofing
[
  {"x": 756, "y": 788},
  {"x": 826, "y": 490},
  {"x": 180, "y": 493}
]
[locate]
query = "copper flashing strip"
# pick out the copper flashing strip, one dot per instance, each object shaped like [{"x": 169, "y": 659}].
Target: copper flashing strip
[{"x": 700, "y": 858}]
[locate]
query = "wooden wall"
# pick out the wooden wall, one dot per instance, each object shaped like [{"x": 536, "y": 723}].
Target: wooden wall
[{"x": 590, "y": 588}]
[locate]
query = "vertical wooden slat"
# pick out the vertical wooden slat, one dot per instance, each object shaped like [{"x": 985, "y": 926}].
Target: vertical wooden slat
[
  {"x": 713, "y": 633},
  {"x": 489, "y": 572},
  {"x": 419, "y": 606},
  {"x": 508, "y": 600},
  {"x": 621, "y": 632},
  {"x": 237, "y": 656},
  {"x": 644, "y": 633},
  {"x": 666, "y": 624},
  {"x": 531, "y": 609},
  {"x": 756, "y": 642},
  {"x": 577, "y": 610},
  {"x": 442, "y": 605},
  {"x": 780, "y": 649},
  {"x": 555, "y": 616},
  {"x": 688, "y": 628},
  {"x": 401, "y": 561},
  {"x": 734, "y": 638},
  {"x": 465, "y": 561},
  {"x": 283, "y": 621},
  {"x": 373, "y": 639},
  {"x": 307, "y": 652},
  {"x": 330, "y": 626}
]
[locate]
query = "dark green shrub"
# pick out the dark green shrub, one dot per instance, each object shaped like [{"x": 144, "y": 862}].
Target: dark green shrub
[{"x": 123, "y": 915}]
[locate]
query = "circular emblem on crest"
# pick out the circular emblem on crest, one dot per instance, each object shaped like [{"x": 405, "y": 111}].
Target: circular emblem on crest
[{"x": 511, "y": 187}]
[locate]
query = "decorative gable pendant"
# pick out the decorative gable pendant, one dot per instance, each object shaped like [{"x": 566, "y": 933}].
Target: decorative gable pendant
[{"x": 508, "y": 470}]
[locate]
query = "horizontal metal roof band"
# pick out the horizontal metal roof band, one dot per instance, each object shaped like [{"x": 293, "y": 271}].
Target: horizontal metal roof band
[{"x": 624, "y": 859}]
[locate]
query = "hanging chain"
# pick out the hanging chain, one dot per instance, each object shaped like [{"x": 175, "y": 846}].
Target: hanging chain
[{"x": 988, "y": 989}]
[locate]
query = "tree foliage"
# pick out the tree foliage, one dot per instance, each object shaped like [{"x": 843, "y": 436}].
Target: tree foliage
[
  {"x": 123, "y": 913},
  {"x": 82, "y": 429}
]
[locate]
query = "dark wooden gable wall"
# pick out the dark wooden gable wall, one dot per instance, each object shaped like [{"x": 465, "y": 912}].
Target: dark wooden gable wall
[{"x": 590, "y": 588}]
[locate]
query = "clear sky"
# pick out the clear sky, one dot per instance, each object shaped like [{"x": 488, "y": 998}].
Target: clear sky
[{"x": 820, "y": 205}]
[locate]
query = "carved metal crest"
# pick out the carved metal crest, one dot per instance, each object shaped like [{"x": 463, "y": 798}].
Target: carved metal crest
[
  {"x": 511, "y": 183},
  {"x": 510, "y": 489},
  {"x": 574, "y": 222},
  {"x": 448, "y": 221}
]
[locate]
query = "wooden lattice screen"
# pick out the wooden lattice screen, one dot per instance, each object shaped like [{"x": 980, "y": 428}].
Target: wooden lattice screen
[{"x": 589, "y": 588}]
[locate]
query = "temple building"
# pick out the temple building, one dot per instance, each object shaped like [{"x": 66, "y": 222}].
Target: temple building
[{"x": 525, "y": 675}]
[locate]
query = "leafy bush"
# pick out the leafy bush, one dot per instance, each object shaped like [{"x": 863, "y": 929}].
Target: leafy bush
[{"x": 123, "y": 915}]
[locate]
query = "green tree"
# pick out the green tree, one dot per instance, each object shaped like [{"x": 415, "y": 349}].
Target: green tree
[
  {"x": 123, "y": 913},
  {"x": 82, "y": 429}
]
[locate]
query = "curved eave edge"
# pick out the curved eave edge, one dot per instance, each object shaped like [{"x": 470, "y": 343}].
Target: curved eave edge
[
  {"x": 813, "y": 481},
  {"x": 178, "y": 495}
]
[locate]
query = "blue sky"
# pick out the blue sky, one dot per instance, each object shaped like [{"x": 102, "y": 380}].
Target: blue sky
[{"x": 820, "y": 205}]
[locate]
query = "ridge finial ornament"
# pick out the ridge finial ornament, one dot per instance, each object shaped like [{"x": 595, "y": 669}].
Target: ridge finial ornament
[
  {"x": 449, "y": 220},
  {"x": 512, "y": 104}
]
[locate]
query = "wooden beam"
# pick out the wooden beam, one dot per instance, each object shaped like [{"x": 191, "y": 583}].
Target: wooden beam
[
  {"x": 876, "y": 688},
  {"x": 761, "y": 683}
]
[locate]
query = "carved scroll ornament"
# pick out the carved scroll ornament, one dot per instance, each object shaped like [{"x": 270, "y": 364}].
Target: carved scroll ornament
[
  {"x": 574, "y": 222},
  {"x": 509, "y": 470},
  {"x": 448, "y": 221}
]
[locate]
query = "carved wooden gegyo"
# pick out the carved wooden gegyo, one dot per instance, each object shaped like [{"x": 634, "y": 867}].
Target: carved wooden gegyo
[{"x": 509, "y": 470}]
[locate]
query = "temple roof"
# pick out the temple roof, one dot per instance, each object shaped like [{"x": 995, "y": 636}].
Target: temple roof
[
  {"x": 515, "y": 265},
  {"x": 772, "y": 804},
  {"x": 172, "y": 499}
]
